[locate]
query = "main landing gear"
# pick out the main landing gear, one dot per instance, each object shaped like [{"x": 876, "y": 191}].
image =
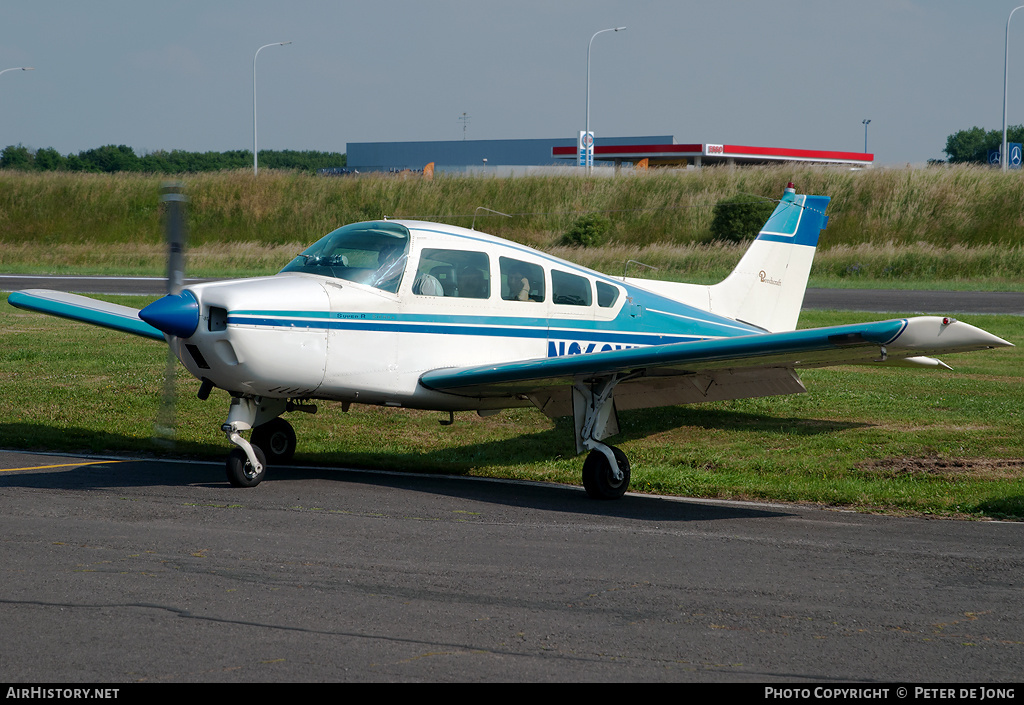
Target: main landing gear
[
  {"x": 600, "y": 480},
  {"x": 606, "y": 469},
  {"x": 272, "y": 439},
  {"x": 277, "y": 439}
]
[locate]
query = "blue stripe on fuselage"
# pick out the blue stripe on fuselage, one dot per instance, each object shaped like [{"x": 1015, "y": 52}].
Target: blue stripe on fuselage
[
  {"x": 643, "y": 313},
  {"x": 519, "y": 329}
]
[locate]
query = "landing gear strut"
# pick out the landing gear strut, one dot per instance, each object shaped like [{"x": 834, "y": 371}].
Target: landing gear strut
[{"x": 606, "y": 469}]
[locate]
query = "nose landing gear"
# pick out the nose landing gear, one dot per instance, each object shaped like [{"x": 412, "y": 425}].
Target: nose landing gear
[{"x": 272, "y": 438}]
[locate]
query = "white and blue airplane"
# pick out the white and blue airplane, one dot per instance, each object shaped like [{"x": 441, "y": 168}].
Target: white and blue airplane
[{"x": 428, "y": 316}]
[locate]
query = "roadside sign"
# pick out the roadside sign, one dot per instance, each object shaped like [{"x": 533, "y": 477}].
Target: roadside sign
[
  {"x": 586, "y": 149},
  {"x": 1016, "y": 152}
]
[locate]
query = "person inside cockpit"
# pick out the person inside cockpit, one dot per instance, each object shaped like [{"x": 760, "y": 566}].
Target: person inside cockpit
[
  {"x": 471, "y": 283},
  {"x": 518, "y": 287}
]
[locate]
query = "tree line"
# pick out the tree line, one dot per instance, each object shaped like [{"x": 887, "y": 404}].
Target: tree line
[
  {"x": 110, "y": 158},
  {"x": 962, "y": 147},
  {"x": 973, "y": 146}
]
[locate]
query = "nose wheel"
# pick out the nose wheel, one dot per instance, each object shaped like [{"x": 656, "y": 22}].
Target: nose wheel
[{"x": 241, "y": 472}]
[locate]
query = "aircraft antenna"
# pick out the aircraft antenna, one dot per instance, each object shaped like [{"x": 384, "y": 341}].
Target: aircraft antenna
[
  {"x": 633, "y": 261},
  {"x": 489, "y": 210}
]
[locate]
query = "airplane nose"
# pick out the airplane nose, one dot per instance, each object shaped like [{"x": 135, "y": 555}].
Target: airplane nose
[{"x": 174, "y": 314}]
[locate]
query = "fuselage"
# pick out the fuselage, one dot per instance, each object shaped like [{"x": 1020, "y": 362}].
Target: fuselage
[{"x": 363, "y": 313}]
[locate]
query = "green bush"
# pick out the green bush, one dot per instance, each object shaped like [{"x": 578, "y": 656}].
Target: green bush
[
  {"x": 587, "y": 231},
  {"x": 740, "y": 217}
]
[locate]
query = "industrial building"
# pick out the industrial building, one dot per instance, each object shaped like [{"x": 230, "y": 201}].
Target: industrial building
[{"x": 533, "y": 155}]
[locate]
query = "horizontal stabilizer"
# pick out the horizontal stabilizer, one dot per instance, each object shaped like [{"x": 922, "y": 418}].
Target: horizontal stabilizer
[{"x": 84, "y": 309}]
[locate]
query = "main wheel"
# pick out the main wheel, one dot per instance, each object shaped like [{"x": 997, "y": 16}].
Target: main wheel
[
  {"x": 277, "y": 439},
  {"x": 598, "y": 479},
  {"x": 240, "y": 470}
]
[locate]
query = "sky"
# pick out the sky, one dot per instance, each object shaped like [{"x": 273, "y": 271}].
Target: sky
[{"x": 803, "y": 74}]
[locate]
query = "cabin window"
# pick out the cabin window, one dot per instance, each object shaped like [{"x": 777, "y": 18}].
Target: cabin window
[
  {"x": 521, "y": 281},
  {"x": 458, "y": 273},
  {"x": 607, "y": 295},
  {"x": 366, "y": 253},
  {"x": 570, "y": 289}
]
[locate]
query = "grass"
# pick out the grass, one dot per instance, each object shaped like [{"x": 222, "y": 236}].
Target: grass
[
  {"x": 957, "y": 227},
  {"x": 924, "y": 442},
  {"x": 966, "y": 206}
]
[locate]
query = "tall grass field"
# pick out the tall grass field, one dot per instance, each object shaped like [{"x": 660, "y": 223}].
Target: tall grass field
[{"x": 958, "y": 227}]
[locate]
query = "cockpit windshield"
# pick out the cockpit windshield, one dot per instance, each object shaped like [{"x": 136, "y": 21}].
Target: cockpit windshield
[{"x": 374, "y": 254}]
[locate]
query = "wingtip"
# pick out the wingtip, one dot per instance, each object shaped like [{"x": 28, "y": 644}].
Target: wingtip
[{"x": 946, "y": 334}]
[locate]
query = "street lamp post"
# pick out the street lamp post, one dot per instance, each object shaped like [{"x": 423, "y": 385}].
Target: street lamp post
[
  {"x": 255, "y": 167},
  {"x": 587, "y": 131},
  {"x": 1006, "y": 53},
  {"x": 866, "y": 123}
]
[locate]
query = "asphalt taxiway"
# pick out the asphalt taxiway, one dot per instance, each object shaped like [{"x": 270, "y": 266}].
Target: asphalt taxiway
[{"x": 122, "y": 570}]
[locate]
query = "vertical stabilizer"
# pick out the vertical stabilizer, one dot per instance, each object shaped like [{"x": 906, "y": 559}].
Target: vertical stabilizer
[{"x": 767, "y": 287}]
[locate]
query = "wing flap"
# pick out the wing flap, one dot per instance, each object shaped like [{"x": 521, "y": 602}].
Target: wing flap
[
  {"x": 85, "y": 310},
  {"x": 650, "y": 392}
]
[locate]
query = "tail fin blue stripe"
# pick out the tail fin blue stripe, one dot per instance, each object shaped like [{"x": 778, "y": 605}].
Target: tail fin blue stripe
[{"x": 797, "y": 220}]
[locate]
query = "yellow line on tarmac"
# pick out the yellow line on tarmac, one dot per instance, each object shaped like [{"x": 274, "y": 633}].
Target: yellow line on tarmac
[{"x": 65, "y": 465}]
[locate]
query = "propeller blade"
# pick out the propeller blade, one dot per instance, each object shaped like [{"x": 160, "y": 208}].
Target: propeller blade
[{"x": 172, "y": 196}]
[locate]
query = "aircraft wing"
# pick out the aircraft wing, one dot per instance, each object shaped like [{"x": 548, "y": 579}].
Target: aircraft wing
[
  {"x": 84, "y": 309},
  {"x": 721, "y": 368}
]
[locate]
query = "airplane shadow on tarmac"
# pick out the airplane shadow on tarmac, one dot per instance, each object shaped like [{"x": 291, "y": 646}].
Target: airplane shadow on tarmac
[
  {"x": 533, "y": 495},
  {"x": 199, "y": 464}
]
